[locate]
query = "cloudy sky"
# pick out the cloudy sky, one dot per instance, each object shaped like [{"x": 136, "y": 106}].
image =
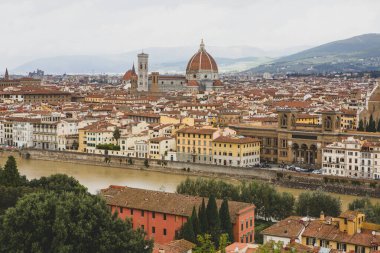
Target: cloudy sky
[{"x": 33, "y": 29}]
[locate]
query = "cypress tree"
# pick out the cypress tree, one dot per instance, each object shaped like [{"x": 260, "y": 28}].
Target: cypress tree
[
  {"x": 188, "y": 231},
  {"x": 195, "y": 221},
  {"x": 361, "y": 126},
  {"x": 225, "y": 220},
  {"x": 213, "y": 219},
  {"x": 10, "y": 175},
  {"x": 372, "y": 124},
  {"x": 367, "y": 129},
  {"x": 203, "y": 217},
  {"x": 378, "y": 126}
]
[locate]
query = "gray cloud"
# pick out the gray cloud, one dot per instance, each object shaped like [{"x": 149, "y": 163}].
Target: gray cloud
[{"x": 40, "y": 28}]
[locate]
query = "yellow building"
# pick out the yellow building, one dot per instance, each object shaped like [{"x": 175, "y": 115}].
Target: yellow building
[
  {"x": 308, "y": 119},
  {"x": 236, "y": 151},
  {"x": 195, "y": 145}
]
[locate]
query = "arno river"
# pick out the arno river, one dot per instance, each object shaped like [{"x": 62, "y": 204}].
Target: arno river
[{"x": 99, "y": 177}]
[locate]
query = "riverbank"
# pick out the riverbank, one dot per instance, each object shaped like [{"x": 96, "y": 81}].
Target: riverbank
[{"x": 280, "y": 178}]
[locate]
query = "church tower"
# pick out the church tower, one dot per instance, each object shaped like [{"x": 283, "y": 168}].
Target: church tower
[
  {"x": 142, "y": 72},
  {"x": 6, "y": 75}
]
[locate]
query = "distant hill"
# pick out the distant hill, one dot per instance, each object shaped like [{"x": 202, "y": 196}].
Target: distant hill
[
  {"x": 359, "y": 53},
  {"x": 162, "y": 59}
]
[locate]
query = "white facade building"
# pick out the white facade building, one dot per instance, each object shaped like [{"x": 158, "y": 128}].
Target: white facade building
[{"x": 352, "y": 158}]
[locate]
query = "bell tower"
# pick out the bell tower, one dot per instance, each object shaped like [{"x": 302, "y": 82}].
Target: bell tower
[
  {"x": 142, "y": 72},
  {"x": 6, "y": 75}
]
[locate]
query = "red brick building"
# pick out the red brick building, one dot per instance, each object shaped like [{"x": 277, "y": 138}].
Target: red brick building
[{"x": 162, "y": 214}]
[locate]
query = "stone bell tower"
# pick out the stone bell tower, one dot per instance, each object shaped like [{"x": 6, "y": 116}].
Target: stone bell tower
[{"x": 142, "y": 72}]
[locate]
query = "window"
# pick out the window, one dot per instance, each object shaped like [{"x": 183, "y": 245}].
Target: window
[
  {"x": 242, "y": 227},
  {"x": 164, "y": 216},
  {"x": 342, "y": 246},
  {"x": 164, "y": 231},
  {"x": 153, "y": 230},
  {"x": 359, "y": 249},
  {"x": 324, "y": 243},
  {"x": 121, "y": 210},
  {"x": 310, "y": 241},
  {"x": 142, "y": 227},
  {"x": 153, "y": 215},
  {"x": 250, "y": 223},
  {"x": 131, "y": 211},
  {"x": 142, "y": 213}
]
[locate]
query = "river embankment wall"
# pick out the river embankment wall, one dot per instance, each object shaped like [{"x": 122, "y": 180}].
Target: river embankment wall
[{"x": 306, "y": 181}]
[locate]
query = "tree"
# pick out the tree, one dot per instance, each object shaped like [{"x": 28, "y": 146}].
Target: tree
[
  {"x": 213, "y": 219},
  {"x": 195, "y": 221},
  {"x": 10, "y": 195},
  {"x": 59, "y": 183},
  {"x": 205, "y": 244},
  {"x": 312, "y": 204},
  {"x": 223, "y": 242},
  {"x": 9, "y": 176},
  {"x": 371, "y": 211},
  {"x": 187, "y": 231},
  {"x": 225, "y": 220},
  {"x": 378, "y": 126},
  {"x": 67, "y": 222},
  {"x": 361, "y": 126},
  {"x": 371, "y": 124},
  {"x": 116, "y": 134},
  {"x": 203, "y": 217}
]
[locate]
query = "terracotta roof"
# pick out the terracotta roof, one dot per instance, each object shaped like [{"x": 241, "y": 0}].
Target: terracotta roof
[
  {"x": 201, "y": 61},
  {"x": 290, "y": 227},
  {"x": 178, "y": 246},
  {"x": 163, "y": 202}
]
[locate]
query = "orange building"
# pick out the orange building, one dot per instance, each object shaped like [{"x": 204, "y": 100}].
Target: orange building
[{"x": 161, "y": 214}]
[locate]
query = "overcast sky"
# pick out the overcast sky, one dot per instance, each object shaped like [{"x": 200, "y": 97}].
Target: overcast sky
[{"x": 31, "y": 29}]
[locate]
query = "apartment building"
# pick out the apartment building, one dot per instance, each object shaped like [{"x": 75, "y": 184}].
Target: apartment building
[
  {"x": 159, "y": 147},
  {"x": 352, "y": 158},
  {"x": 195, "y": 145},
  {"x": 236, "y": 151}
]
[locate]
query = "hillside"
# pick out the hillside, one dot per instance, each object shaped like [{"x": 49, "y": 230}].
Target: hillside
[{"x": 359, "y": 53}]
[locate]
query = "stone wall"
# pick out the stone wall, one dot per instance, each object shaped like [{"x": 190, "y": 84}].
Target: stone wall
[{"x": 282, "y": 178}]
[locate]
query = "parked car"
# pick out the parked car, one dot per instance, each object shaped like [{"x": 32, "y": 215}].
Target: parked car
[{"x": 317, "y": 172}]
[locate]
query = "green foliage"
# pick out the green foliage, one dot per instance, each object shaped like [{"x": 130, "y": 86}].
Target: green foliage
[
  {"x": 146, "y": 163},
  {"x": 67, "y": 222},
  {"x": 108, "y": 146},
  {"x": 58, "y": 183},
  {"x": 207, "y": 187},
  {"x": 371, "y": 211},
  {"x": 203, "y": 217},
  {"x": 9, "y": 176},
  {"x": 371, "y": 126},
  {"x": 187, "y": 231},
  {"x": 225, "y": 220},
  {"x": 223, "y": 242},
  {"x": 272, "y": 247},
  {"x": 116, "y": 134},
  {"x": 378, "y": 126},
  {"x": 205, "y": 244},
  {"x": 213, "y": 218},
  {"x": 269, "y": 202},
  {"x": 10, "y": 195},
  {"x": 195, "y": 222},
  {"x": 312, "y": 203},
  {"x": 361, "y": 126}
]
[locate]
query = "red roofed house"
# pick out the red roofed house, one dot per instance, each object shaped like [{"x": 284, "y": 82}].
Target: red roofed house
[{"x": 162, "y": 214}]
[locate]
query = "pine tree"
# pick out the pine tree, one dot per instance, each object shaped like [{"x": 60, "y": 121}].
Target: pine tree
[
  {"x": 203, "y": 217},
  {"x": 361, "y": 126},
  {"x": 225, "y": 220},
  {"x": 213, "y": 219},
  {"x": 195, "y": 221},
  {"x": 187, "y": 232}
]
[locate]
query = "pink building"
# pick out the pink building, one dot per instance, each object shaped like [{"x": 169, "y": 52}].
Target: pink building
[{"x": 162, "y": 214}]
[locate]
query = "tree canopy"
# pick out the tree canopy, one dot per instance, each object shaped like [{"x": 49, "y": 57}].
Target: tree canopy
[
  {"x": 67, "y": 222},
  {"x": 313, "y": 203}
]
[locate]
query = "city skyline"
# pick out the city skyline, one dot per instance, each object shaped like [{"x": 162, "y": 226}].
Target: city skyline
[{"x": 37, "y": 29}]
